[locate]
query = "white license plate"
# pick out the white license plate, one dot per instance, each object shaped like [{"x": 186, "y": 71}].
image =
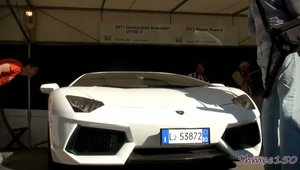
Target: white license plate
[{"x": 185, "y": 136}]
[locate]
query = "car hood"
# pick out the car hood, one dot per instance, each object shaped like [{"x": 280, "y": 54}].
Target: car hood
[{"x": 157, "y": 97}]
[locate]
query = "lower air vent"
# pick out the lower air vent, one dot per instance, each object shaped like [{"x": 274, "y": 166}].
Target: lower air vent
[
  {"x": 93, "y": 141},
  {"x": 244, "y": 136}
]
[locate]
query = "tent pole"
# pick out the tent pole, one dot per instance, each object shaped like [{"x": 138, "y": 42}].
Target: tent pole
[{"x": 29, "y": 102}]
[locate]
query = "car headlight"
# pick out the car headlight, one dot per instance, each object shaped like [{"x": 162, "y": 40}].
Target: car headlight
[
  {"x": 243, "y": 101},
  {"x": 82, "y": 104}
]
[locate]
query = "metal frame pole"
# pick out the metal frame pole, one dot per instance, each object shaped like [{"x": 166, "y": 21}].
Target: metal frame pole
[{"x": 29, "y": 102}]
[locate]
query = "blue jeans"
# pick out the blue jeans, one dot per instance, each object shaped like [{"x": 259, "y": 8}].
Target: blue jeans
[{"x": 281, "y": 115}]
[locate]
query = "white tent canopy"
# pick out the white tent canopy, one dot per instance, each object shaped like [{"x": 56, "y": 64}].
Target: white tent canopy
[{"x": 208, "y": 22}]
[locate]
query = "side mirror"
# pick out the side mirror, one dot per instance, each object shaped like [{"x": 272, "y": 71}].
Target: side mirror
[{"x": 48, "y": 88}]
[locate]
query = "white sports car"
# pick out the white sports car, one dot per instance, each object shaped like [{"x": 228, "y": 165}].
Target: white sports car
[{"x": 119, "y": 118}]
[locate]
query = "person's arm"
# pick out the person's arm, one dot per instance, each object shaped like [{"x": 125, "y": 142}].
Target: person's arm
[
  {"x": 251, "y": 21},
  {"x": 29, "y": 71},
  {"x": 238, "y": 79}
]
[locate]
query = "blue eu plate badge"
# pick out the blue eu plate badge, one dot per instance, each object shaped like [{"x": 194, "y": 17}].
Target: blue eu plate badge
[{"x": 185, "y": 136}]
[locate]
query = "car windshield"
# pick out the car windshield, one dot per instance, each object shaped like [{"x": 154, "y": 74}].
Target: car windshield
[{"x": 137, "y": 79}]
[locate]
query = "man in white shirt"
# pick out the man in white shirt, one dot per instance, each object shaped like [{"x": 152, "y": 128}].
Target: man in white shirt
[{"x": 199, "y": 73}]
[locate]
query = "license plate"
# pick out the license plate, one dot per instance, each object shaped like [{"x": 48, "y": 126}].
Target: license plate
[{"x": 185, "y": 136}]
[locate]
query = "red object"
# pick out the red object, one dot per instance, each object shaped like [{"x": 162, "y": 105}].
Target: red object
[{"x": 15, "y": 69}]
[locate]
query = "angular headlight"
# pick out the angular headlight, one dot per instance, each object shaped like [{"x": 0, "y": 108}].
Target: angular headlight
[
  {"x": 82, "y": 104},
  {"x": 243, "y": 101}
]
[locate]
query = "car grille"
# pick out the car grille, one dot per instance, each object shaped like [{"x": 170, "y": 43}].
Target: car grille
[
  {"x": 93, "y": 141},
  {"x": 164, "y": 151},
  {"x": 175, "y": 154},
  {"x": 244, "y": 136}
]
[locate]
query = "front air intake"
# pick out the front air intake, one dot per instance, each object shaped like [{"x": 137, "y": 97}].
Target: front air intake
[
  {"x": 244, "y": 136},
  {"x": 94, "y": 141}
]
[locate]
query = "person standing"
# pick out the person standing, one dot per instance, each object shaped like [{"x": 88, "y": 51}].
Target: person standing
[
  {"x": 199, "y": 72},
  {"x": 243, "y": 78},
  {"x": 280, "y": 109},
  {"x": 9, "y": 69}
]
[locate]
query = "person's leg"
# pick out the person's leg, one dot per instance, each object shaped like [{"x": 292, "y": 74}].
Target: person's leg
[
  {"x": 289, "y": 92},
  {"x": 270, "y": 130},
  {"x": 270, "y": 112}
]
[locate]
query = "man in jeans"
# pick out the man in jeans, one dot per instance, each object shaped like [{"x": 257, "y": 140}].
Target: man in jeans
[{"x": 280, "y": 110}]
